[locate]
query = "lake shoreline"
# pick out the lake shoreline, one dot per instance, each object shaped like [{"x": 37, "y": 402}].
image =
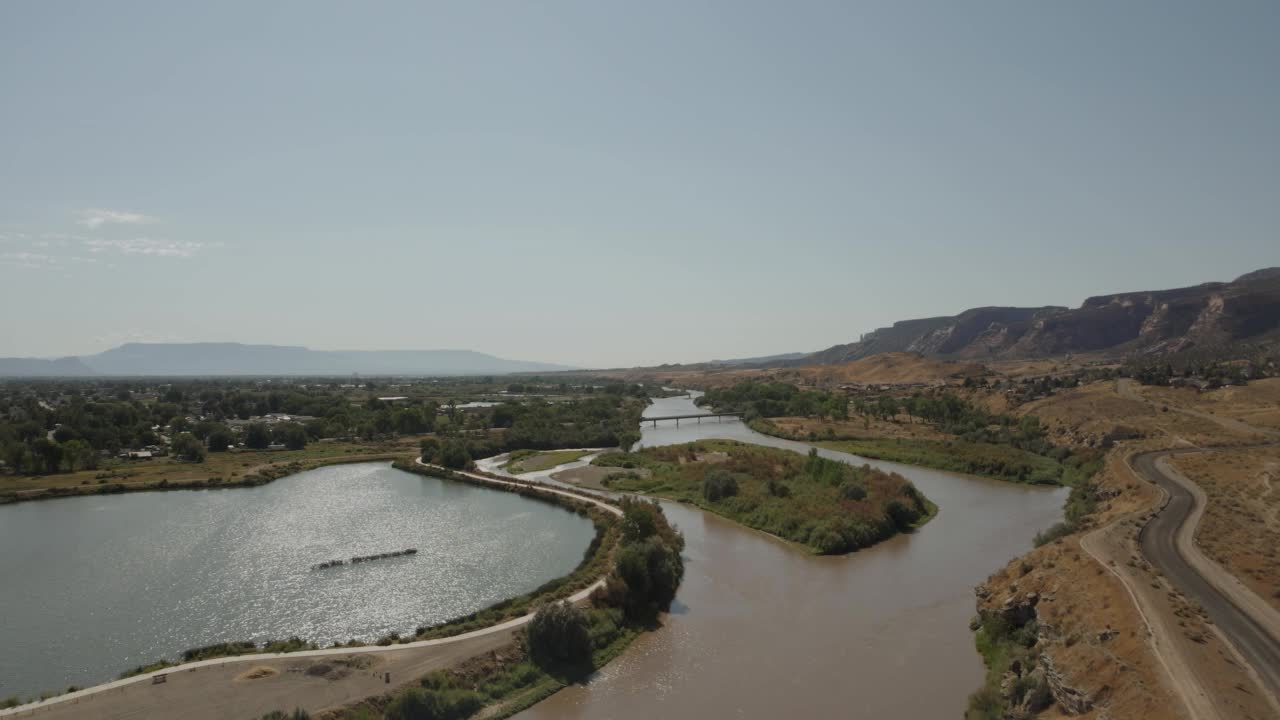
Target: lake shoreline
[
  {"x": 595, "y": 563},
  {"x": 267, "y": 475}
]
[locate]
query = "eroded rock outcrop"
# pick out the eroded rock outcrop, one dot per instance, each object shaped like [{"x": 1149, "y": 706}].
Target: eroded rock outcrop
[
  {"x": 1031, "y": 683},
  {"x": 1073, "y": 701}
]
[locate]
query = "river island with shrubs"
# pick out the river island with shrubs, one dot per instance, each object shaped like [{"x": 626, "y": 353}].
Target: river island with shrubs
[{"x": 826, "y": 505}]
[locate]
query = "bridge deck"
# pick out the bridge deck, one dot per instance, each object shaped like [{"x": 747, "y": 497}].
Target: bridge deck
[{"x": 698, "y": 417}]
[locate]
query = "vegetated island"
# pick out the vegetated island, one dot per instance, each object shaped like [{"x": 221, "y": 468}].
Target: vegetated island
[{"x": 826, "y": 505}]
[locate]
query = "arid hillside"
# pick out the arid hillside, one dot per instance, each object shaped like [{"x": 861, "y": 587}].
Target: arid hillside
[
  {"x": 890, "y": 368},
  {"x": 1204, "y": 316}
]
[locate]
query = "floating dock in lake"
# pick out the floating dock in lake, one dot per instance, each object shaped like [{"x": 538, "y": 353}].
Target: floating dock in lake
[{"x": 364, "y": 558}]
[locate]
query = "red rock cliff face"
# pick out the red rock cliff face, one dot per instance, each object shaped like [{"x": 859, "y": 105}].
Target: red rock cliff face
[{"x": 1208, "y": 314}]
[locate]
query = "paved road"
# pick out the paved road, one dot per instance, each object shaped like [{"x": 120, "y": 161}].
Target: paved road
[{"x": 1165, "y": 541}]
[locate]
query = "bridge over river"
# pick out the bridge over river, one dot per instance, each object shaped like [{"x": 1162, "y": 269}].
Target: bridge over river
[{"x": 698, "y": 417}]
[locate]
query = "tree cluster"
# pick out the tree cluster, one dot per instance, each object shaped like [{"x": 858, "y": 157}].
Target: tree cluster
[
  {"x": 776, "y": 399},
  {"x": 648, "y": 566}
]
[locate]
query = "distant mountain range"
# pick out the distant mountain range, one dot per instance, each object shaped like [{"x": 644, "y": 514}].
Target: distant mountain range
[
  {"x": 216, "y": 359},
  {"x": 765, "y": 360},
  {"x": 1155, "y": 321},
  {"x": 1211, "y": 315}
]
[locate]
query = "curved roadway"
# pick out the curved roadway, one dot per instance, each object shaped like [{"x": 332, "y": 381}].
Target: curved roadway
[
  {"x": 508, "y": 625},
  {"x": 1167, "y": 542}
]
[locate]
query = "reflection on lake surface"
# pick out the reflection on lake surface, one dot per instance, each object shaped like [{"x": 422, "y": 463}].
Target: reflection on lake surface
[
  {"x": 97, "y": 584},
  {"x": 762, "y": 629}
]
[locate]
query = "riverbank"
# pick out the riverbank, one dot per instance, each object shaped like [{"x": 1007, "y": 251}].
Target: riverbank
[
  {"x": 828, "y": 506},
  {"x": 1000, "y": 462}
]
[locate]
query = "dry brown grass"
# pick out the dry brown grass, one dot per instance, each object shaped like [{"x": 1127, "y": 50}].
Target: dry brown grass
[
  {"x": 1088, "y": 414},
  {"x": 1257, "y": 403},
  {"x": 593, "y": 476},
  {"x": 1080, "y": 604},
  {"x": 886, "y": 368},
  {"x": 1240, "y": 529},
  {"x": 257, "y": 673},
  {"x": 1083, "y": 598}
]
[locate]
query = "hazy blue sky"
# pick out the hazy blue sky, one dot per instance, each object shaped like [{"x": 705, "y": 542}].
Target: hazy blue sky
[{"x": 604, "y": 183}]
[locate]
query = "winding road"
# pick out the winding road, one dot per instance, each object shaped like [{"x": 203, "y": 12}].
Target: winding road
[
  {"x": 1245, "y": 620},
  {"x": 1168, "y": 543}
]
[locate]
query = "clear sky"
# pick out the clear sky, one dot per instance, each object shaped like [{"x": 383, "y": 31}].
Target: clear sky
[{"x": 609, "y": 183}]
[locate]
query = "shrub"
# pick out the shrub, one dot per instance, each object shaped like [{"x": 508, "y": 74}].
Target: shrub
[
  {"x": 777, "y": 489},
  {"x": 297, "y": 714},
  {"x": 985, "y": 704},
  {"x": 901, "y": 515},
  {"x": 454, "y": 455},
  {"x": 719, "y": 484},
  {"x": 424, "y": 704},
  {"x": 223, "y": 649},
  {"x": 852, "y": 491},
  {"x": 1059, "y": 530},
  {"x": 559, "y": 634}
]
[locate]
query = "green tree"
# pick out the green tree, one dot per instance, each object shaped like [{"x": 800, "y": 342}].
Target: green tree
[
  {"x": 652, "y": 571},
  {"x": 205, "y": 428},
  {"x": 648, "y": 567},
  {"x": 292, "y": 435},
  {"x": 49, "y": 453},
  {"x": 257, "y": 436},
  {"x": 887, "y": 407},
  {"x": 219, "y": 439},
  {"x": 186, "y": 447},
  {"x": 16, "y": 456},
  {"x": 79, "y": 454},
  {"x": 455, "y": 455},
  {"x": 560, "y": 634}
]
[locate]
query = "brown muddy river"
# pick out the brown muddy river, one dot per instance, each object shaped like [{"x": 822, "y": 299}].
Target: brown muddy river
[{"x": 761, "y": 629}]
